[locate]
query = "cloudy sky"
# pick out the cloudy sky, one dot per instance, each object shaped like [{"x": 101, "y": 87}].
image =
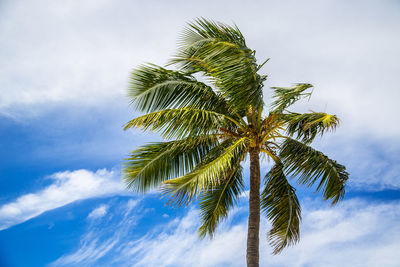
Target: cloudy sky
[{"x": 63, "y": 78}]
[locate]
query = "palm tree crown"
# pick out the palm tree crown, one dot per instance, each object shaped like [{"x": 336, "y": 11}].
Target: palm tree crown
[{"x": 211, "y": 124}]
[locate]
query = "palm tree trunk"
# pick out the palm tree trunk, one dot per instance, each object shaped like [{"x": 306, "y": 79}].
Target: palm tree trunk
[{"x": 253, "y": 231}]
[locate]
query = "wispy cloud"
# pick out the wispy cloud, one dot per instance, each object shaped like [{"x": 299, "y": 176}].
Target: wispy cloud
[
  {"x": 103, "y": 237},
  {"x": 98, "y": 212},
  {"x": 355, "y": 233},
  {"x": 91, "y": 251},
  {"x": 67, "y": 187}
]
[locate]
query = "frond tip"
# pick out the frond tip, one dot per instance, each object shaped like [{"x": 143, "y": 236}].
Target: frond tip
[
  {"x": 310, "y": 165},
  {"x": 307, "y": 126},
  {"x": 287, "y": 96}
]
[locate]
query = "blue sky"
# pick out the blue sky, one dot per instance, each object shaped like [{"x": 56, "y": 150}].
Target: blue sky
[{"x": 63, "y": 78}]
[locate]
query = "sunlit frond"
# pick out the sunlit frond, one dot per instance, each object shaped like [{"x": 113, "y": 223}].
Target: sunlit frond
[
  {"x": 286, "y": 96},
  {"x": 216, "y": 202},
  {"x": 206, "y": 175},
  {"x": 310, "y": 165},
  {"x": 153, "y": 163},
  {"x": 153, "y": 88},
  {"x": 179, "y": 123},
  {"x": 219, "y": 52},
  {"x": 307, "y": 126},
  {"x": 280, "y": 203}
]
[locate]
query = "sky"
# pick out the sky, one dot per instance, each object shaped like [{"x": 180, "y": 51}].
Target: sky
[{"x": 64, "y": 72}]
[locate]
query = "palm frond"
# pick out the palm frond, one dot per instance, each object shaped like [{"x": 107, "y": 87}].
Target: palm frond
[
  {"x": 182, "y": 122},
  {"x": 219, "y": 52},
  {"x": 206, "y": 175},
  {"x": 208, "y": 29},
  {"x": 311, "y": 165},
  {"x": 154, "y": 88},
  {"x": 149, "y": 165},
  {"x": 212, "y": 109},
  {"x": 286, "y": 96},
  {"x": 280, "y": 203},
  {"x": 216, "y": 202},
  {"x": 307, "y": 126}
]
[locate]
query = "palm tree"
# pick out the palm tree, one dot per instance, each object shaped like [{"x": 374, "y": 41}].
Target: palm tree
[{"x": 212, "y": 114}]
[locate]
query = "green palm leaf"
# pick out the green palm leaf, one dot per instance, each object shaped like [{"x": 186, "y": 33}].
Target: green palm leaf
[
  {"x": 154, "y": 88},
  {"x": 280, "y": 203},
  {"x": 216, "y": 202},
  {"x": 311, "y": 165},
  {"x": 219, "y": 52},
  {"x": 307, "y": 126},
  {"x": 206, "y": 175},
  {"x": 148, "y": 166},
  {"x": 287, "y": 96},
  {"x": 182, "y": 122}
]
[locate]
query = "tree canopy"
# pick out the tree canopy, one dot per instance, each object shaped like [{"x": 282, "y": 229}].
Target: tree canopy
[{"x": 209, "y": 108}]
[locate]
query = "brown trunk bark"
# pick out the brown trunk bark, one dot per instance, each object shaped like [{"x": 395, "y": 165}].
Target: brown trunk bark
[{"x": 253, "y": 231}]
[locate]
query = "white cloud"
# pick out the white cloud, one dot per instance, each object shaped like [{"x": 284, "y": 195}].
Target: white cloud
[
  {"x": 58, "y": 53},
  {"x": 69, "y": 53},
  {"x": 354, "y": 233},
  {"x": 82, "y": 57},
  {"x": 67, "y": 187},
  {"x": 98, "y": 212}
]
